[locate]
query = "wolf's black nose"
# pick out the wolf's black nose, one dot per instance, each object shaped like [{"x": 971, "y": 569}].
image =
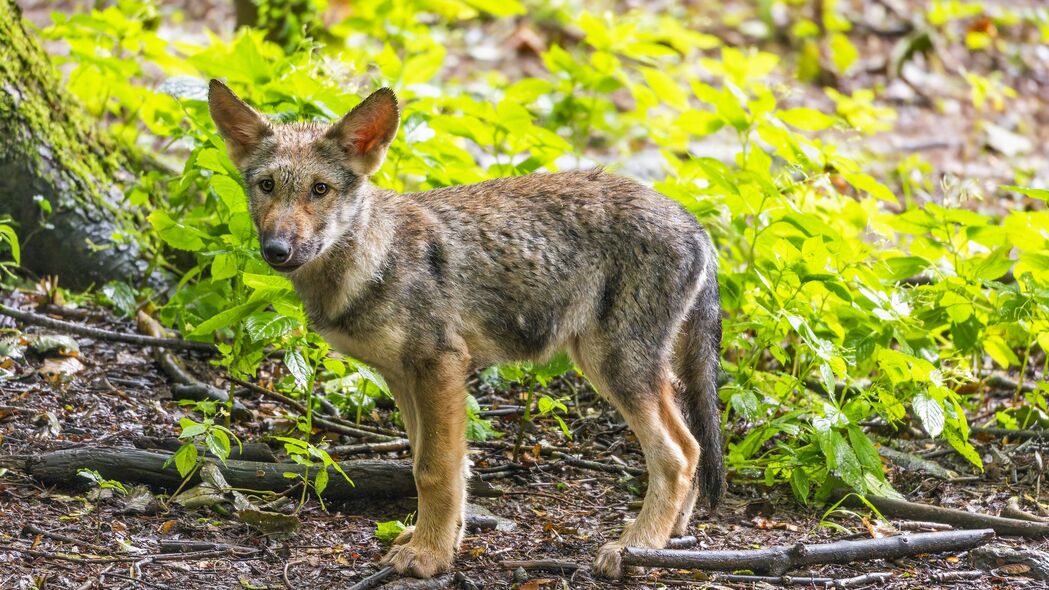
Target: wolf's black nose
[{"x": 276, "y": 251}]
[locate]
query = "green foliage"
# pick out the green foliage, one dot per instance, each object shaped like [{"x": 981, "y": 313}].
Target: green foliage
[
  {"x": 825, "y": 329},
  {"x": 9, "y": 242},
  {"x": 103, "y": 483},
  {"x": 214, "y": 438},
  {"x": 388, "y": 531}
]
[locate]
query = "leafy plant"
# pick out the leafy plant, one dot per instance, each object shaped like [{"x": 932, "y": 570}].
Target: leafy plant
[{"x": 845, "y": 303}]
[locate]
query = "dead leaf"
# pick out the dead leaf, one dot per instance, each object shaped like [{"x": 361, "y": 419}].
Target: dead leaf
[
  {"x": 53, "y": 343},
  {"x": 761, "y": 522},
  {"x": 1014, "y": 569},
  {"x": 879, "y": 529},
  {"x": 165, "y": 528},
  {"x": 269, "y": 523},
  {"x": 61, "y": 368}
]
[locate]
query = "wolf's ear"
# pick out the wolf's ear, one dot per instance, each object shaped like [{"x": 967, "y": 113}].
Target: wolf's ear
[
  {"x": 240, "y": 125},
  {"x": 366, "y": 131}
]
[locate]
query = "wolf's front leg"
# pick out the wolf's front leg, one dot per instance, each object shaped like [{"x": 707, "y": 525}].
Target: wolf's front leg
[{"x": 436, "y": 402}]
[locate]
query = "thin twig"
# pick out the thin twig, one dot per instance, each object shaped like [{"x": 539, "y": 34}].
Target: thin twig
[
  {"x": 35, "y": 319},
  {"x": 35, "y": 530},
  {"x": 545, "y": 565},
  {"x": 876, "y": 577},
  {"x": 375, "y": 579},
  {"x": 328, "y": 424}
]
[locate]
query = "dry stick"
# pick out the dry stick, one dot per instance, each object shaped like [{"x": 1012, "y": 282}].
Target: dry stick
[
  {"x": 958, "y": 518},
  {"x": 186, "y": 385},
  {"x": 871, "y": 578},
  {"x": 1012, "y": 510},
  {"x": 35, "y": 530},
  {"x": 333, "y": 424},
  {"x": 1017, "y": 434},
  {"x": 779, "y": 560},
  {"x": 956, "y": 576},
  {"x": 400, "y": 444},
  {"x": 29, "y": 317},
  {"x": 153, "y": 557},
  {"x": 545, "y": 565},
  {"x": 375, "y": 579},
  {"x": 325, "y": 423}
]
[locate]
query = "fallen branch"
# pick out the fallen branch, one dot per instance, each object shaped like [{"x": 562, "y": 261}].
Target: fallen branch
[
  {"x": 330, "y": 424},
  {"x": 390, "y": 446},
  {"x": 375, "y": 579},
  {"x": 779, "y": 560},
  {"x": 891, "y": 507},
  {"x": 248, "y": 451},
  {"x": 555, "y": 566},
  {"x": 1014, "y": 434},
  {"x": 1012, "y": 510},
  {"x": 595, "y": 465},
  {"x": 389, "y": 479},
  {"x": 862, "y": 580},
  {"x": 186, "y": 385},
  {"x": 912, "y": 462},
  {"x": 35, "y": 530},
  {"x": 29, "y": 317}
]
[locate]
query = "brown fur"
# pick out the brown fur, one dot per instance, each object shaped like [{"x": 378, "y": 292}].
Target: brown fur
[{"x": 427, "y": 287}]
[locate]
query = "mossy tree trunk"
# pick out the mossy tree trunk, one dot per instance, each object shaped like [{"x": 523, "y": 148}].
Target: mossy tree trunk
[{"x": 51, "y": 151}]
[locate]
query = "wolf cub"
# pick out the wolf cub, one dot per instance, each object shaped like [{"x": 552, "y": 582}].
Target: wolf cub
[{"x": 427, "y": 287}]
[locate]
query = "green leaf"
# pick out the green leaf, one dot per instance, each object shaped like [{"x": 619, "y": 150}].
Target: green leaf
[
  {"x": 388, "y": 531},
  {"x": 226, "y": 319},
  {"x": 298, "y": 367},
  {"x": 186, "y": 459},
  {"x": 320, "y": 481},
  {"x": 867, "y": 183},
  {"x": 268, "y": 326},
  {"x": 930, "y": 412},
  {"x": 8, "y": 234},
  {"x": 806, "y": 119},
  {"x": 1035, "y": 193}
]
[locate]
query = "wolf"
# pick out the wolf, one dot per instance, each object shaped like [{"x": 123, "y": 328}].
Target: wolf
[{"x": 429, "y": 286}]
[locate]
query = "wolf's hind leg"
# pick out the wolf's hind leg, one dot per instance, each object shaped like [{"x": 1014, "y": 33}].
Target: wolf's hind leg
[{"x": 671, "y": 455}]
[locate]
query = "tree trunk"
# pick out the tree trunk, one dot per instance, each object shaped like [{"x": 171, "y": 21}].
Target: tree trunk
[{"x": 52, "y": 156}]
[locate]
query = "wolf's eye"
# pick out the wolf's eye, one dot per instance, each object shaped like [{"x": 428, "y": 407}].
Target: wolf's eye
[
  {"x": 266, "y": 185},
  {"x": 320, "y": 189}
]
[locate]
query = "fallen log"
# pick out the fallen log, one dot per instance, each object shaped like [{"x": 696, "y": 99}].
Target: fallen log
[
  {"x": 892, "y": 507},
  {"x": 776, "y": 561},
  {"x": 388, "y": 479},
  {"x": 248, "y": 451}
]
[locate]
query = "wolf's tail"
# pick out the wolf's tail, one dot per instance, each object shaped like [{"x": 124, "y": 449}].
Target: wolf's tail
[{"x": 698, "y": 364}]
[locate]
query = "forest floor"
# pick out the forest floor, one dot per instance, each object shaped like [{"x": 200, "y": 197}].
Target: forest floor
[{"x": 115, "y": 394}]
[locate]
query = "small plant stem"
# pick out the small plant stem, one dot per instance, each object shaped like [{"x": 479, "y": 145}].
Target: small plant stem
[
  {"x": 1020, "y": 381},
  {"x": 526, "y": 419}
]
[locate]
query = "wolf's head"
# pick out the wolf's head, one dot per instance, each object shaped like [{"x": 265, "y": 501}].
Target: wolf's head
[{"x": 306, "y": 182}]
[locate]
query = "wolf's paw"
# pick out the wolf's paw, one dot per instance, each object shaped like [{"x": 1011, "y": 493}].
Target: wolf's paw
[
  {"x": 405, "y": 536},
  {"x": 609, "y": 562},
  {"x": 421, "y": 562}
]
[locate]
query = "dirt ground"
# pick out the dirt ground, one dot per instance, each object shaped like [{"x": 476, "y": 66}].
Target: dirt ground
[{"x": 559, "y": 511}]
